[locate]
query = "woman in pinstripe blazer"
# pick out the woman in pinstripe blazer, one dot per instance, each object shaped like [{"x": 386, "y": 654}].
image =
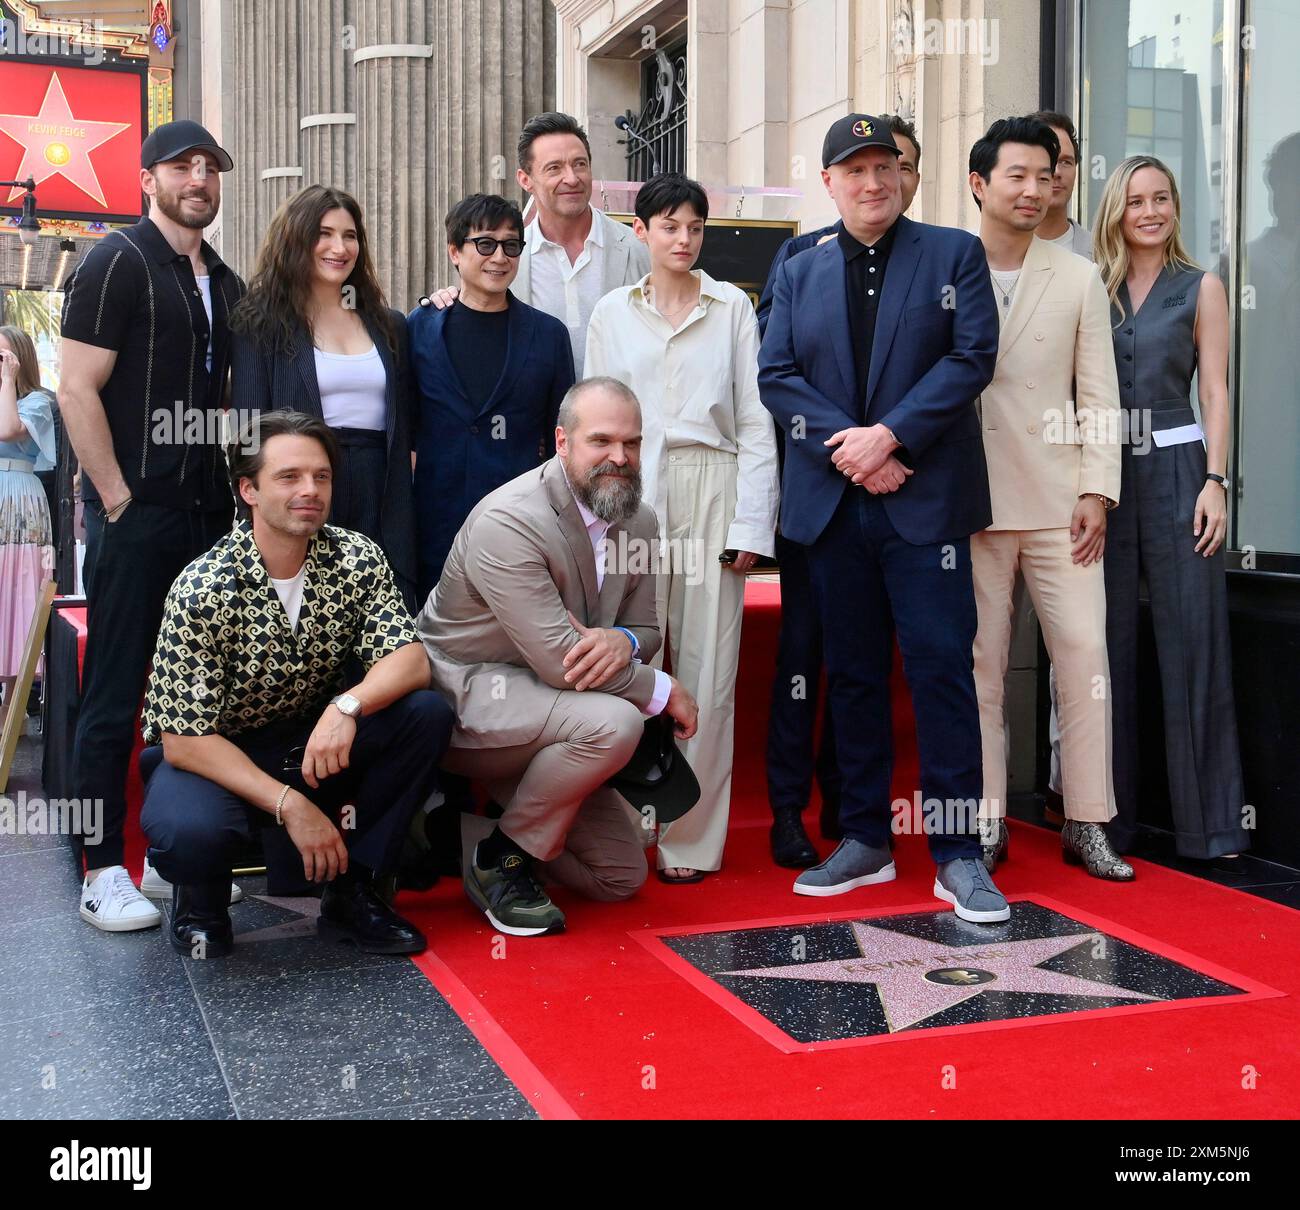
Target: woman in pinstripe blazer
[{"x": 315, "y": 335}]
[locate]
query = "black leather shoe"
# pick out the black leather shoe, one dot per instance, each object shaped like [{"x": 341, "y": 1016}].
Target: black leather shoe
[
  {"x": 201, "y": 919},
  {"x": 791, "y": 847},
  {"x": 351, "y": 910}
]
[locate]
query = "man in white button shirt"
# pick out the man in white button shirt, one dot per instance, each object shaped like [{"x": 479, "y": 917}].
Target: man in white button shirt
[
  {"x": 542, "y": 644},
  {"x": 688, "y": 345},
  {"x": 574, "y": 254}
]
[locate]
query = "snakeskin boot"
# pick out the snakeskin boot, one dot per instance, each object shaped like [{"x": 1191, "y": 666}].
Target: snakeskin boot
[
  {"x": 993, "y": 842},
  {"x": 1087, "y": 844}
]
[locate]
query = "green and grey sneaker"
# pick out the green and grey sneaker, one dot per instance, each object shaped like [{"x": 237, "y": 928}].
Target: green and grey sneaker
[{"x": 511, "y": 898}]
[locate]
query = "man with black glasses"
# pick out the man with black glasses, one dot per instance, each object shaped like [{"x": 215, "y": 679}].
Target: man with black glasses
[{"x": 489, "y": 373}]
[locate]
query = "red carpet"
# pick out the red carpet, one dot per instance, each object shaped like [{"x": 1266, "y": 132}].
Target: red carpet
[
  {"x": 594, "y": 1024},
  {"x": 588, "y": 1012}
]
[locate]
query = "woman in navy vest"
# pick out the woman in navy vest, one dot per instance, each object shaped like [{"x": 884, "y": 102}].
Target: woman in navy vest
[
  {"x": 1170, "y": 322},
  {"x": 315, "y": 335}
]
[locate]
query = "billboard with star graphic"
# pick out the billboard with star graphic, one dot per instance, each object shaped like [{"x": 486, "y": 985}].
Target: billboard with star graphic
[{"x": 76, "y": 131}]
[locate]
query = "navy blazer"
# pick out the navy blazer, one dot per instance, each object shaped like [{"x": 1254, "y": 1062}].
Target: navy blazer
[
  {"x": 462, "y": 454},
  {"x": 267, "y": 379},
  {"x": 934, "y": 350}
]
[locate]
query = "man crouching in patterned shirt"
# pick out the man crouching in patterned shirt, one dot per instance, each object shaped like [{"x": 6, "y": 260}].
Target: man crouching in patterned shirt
[{"x": 248, "y": 699}]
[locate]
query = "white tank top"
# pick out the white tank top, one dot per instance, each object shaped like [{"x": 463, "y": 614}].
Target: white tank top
[{"x": 352, "y": 389}]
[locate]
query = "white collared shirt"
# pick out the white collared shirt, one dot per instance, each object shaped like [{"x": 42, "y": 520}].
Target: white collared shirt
[
  {"x": 570, "y": 292},
  {"x": 697, "y": 385},
  {"x": 596, "y": 531}
]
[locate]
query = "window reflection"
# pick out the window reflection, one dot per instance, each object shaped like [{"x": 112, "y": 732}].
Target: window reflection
[{"x": 1268, "y": 515}]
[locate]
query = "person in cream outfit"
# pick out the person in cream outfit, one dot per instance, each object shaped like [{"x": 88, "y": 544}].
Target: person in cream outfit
[{"x": 1053, "y": 452}]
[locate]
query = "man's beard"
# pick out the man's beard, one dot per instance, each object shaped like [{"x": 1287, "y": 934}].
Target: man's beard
[
  {"x": 170, "y": 205},
  {"x": 614, "y": 499}
]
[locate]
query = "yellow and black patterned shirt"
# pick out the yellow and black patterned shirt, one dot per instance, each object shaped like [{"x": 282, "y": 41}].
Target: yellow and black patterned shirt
[{"x": 227, "y": 661}]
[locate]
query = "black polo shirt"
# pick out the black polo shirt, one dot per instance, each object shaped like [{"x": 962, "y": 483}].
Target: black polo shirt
[
  {"x": 134, "y": 294},
  {"x": 864, "y": 281}
]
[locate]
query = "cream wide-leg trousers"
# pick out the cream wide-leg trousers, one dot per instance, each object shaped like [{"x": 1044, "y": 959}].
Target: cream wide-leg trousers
[
  {"x": 1070, "y": 601},
  {"x": 700, "y": 604}
]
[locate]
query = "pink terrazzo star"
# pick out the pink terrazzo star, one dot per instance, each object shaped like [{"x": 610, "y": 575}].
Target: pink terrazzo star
[{"x": 917, "y": 979}]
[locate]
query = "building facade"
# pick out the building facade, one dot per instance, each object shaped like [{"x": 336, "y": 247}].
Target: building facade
[
  {"x": 408, "y": 106},
  {"x": 1206, "y": 85}
]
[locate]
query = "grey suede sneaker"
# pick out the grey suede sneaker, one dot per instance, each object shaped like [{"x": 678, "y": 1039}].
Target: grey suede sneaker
[
  {"x": 966, "y": 884},
  {"x": 852, "y": 865}
]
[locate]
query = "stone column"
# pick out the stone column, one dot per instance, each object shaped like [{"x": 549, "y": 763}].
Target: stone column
[
  {"x": 328, "y": 101},
  {"x": 442, "y": 89},
  {"x": 260, "y": 74}
]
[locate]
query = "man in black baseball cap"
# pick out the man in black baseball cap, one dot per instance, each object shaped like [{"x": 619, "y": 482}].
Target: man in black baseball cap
[
  {"x": 175, "y": 140},
  {"x": 878, "y": 343},
  {"x": 145, "y": 341},
  {"x": 852, "y": 133}
]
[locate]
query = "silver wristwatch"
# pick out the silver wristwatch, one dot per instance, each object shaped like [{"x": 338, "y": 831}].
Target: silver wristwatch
[{"x": 351, "y": 706}]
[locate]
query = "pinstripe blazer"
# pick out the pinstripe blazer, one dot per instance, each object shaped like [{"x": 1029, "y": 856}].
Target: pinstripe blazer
[{"x": 267, "y": 379}]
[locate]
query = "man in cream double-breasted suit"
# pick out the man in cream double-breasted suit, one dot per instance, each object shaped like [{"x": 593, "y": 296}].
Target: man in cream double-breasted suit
[
  {"x": 1050, "y": 421},
  {"x": 540, "y": 633}
]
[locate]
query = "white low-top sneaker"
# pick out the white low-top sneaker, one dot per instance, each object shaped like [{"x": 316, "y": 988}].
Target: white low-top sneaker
[
  {"x": 156, "y": 886},
  {"x": 113, "y": 903}
]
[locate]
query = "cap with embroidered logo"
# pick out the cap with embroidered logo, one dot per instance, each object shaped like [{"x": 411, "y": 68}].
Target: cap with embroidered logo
[{"x": 852, "y": 133}]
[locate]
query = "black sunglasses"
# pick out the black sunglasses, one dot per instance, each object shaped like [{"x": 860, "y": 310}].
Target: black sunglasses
[{"x": 487, "y": 246}]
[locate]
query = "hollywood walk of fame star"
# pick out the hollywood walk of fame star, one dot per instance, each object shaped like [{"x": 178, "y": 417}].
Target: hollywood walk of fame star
[
  {"x": 917, "y": 979},
  {"x": 307, "y": 908},
  {"x": 54, "y": 141}
]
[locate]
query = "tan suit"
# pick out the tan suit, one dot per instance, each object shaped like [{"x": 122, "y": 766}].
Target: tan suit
[
  {"x": 1050, "y": 424},
  {"x": 496, "y": 632}
]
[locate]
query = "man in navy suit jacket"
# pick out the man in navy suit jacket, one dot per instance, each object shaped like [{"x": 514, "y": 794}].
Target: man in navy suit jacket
[
  {"x": 878, "y": 344},
  {"x": 489, "y": 373}
]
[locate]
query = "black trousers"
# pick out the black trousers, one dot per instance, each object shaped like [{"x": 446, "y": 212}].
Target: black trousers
[
  {"x": 197, "y": 829},
  {"x": 796, "y": 692},
  {"x": 130, "y": 565}
]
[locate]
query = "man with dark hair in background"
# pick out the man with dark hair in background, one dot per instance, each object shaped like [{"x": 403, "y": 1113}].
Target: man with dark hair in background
[
  {"x": 573, "y": 254},
  {"x": 1057, "y": 226}
]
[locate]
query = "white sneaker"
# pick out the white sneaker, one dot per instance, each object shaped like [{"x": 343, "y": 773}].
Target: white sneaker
[
  {"x": 156, "y": 886},
  {"x": 113, "y": 904}
]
